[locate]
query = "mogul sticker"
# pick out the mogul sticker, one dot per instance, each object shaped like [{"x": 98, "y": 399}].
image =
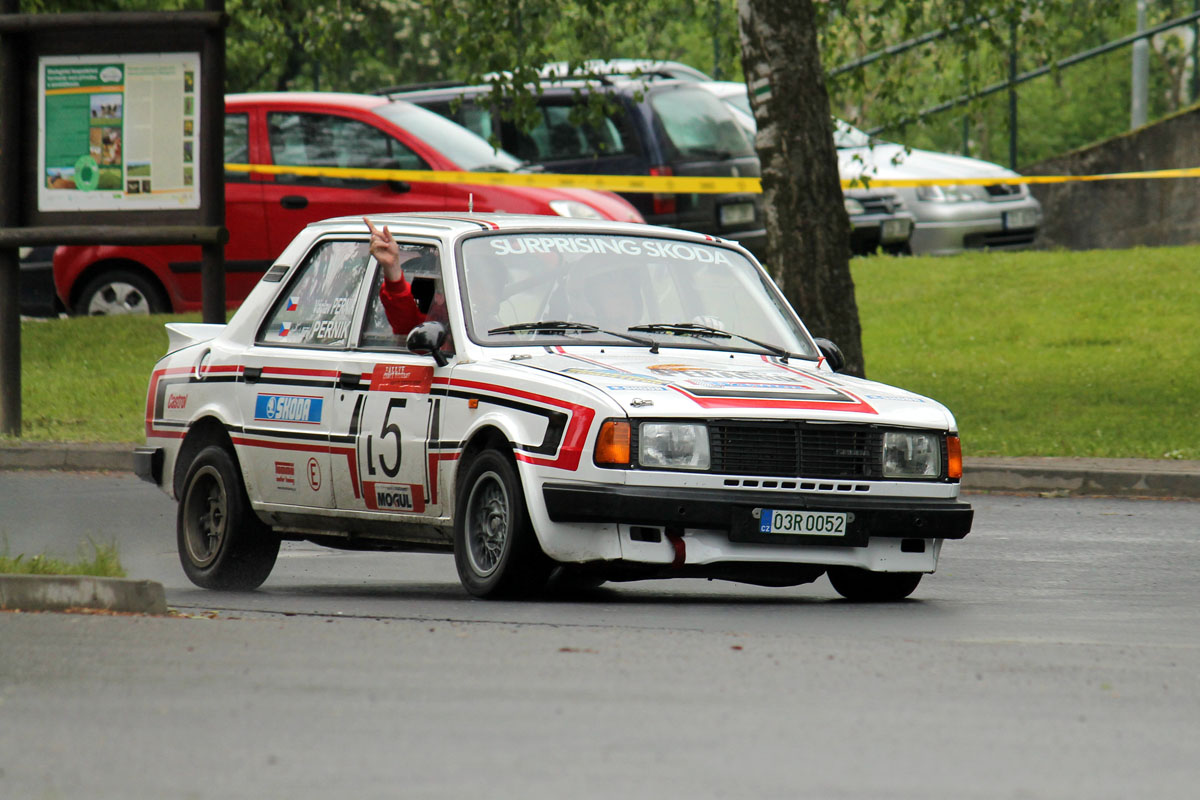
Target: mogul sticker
[
  {"x": 398, "y": 497},
  {"x": 288, "y": 408}
]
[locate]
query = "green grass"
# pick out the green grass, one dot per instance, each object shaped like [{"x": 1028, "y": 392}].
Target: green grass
[
  {"x": 102, "y": 562},
  {"x": 1045, "y": 353},
  {"x": 84, "y": 379},
  {"x": 1036, "y": 353}
]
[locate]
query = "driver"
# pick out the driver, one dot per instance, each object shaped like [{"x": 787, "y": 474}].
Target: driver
[{"x": 395, "y": 294}]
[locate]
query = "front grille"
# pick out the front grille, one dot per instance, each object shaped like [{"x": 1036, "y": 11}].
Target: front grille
[
  {"x": 1003, "y": 190},
  {"x": 879, "y": 203},
  {"x": 796, "y": 450},
  {"x": 1018, "y": 238}
]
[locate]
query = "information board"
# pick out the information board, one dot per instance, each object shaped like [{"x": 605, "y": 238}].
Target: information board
[{"x": 119, "y": 132}]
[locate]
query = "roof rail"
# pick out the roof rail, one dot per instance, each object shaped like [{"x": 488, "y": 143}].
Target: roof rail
[{"x": 416, "y": 87}]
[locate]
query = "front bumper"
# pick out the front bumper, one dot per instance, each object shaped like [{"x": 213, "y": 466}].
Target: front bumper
[{"x": 731, "y": 512}]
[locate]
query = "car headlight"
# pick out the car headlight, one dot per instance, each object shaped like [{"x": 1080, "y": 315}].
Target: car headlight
[
  {"x": 673, "y": 445},
  {"x": 853, "y": 207},
  {"x": 951, "y": 194},
  {"x": 574, "y": 208},
  {"x": 907, "y": 454}
]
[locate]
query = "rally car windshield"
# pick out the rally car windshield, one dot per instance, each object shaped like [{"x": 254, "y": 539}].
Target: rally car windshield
[{"x": 585, "y": 288}]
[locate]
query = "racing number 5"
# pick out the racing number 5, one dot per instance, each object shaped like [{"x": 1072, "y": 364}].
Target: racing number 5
[{"x": 388, "y": 428}]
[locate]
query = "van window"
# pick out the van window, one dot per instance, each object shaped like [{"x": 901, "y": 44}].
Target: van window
[
  {"x": 699, "y": 125},
  {"x": 556, "y": 138},
  {"x": 237, "y": 145}
]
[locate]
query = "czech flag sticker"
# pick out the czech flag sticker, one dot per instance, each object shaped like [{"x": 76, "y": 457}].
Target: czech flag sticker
[
  {"x": 293, "y": 303},
  {"x": 285, "y": 328}
]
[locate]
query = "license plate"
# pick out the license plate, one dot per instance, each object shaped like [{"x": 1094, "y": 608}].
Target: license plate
[
  {"x": 737, "y": 213},
  {"x": 1021, "y": 218},
  {"x": 895, "y": 230},
  {"x": 807, "y": 523}
]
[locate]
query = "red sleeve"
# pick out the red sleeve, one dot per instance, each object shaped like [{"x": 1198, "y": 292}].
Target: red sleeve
[{"x": 400, "y": 306}]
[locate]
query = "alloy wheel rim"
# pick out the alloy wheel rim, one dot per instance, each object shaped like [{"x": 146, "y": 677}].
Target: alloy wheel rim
[
  {"x": 118, "y": 297},
  {"x": 488, "y": 521},
  {"x": 206, "y": 517}
]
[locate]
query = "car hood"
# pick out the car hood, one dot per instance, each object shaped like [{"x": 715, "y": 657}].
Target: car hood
[
  {"x": 675, "y": 383},
  {"x": 887, "y": 161}
]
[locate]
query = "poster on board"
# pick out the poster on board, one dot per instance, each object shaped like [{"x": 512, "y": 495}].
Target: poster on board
[{"x": 119, "y": 132}]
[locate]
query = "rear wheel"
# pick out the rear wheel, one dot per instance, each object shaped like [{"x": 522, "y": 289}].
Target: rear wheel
[
  {"x": 222, "y": 543},
  {"x": 863, "y": 585},
  {"x": 121, "y": 292},
  {"x": 495, "y": 548}
]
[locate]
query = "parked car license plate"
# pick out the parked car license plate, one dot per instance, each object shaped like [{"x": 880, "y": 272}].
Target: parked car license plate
[
  {"x": 808, "y": 523},
  {"x": 1021, "y": 218},
  {"x": 895, "y": 230},
  {"x": 737, "y": 213}
]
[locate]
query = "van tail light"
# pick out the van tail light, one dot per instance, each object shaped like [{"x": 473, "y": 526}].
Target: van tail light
[
  {"x": 663, "y": 203},
  {"x": 953, "y": 457},
  {"x": 612, "y": 444}
]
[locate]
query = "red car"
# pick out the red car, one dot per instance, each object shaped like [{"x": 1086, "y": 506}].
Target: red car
[{"x": 265, "y": 212}]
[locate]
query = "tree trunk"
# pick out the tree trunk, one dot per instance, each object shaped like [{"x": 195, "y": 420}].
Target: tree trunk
[{"x": 808, "y": 234}]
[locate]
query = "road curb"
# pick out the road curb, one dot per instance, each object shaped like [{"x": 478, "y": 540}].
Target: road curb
[
  {"x": 1119, "y": 477},
  {"x": 63, "y": 592}
]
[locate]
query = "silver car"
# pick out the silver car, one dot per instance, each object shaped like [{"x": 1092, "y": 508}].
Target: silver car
[{"x": 950, "y": 218}]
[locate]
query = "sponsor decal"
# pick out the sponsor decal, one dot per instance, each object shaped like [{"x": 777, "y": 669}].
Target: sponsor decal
[
  {"x": 400, "y": 498},
  {"x": 637, "y": 388},
  {"x": 285, "y": 475},
  {"x": 402, "y": 378},
  {"x": 314, "y": 475},
  {"x": 177, "y": 401},
  {"x": 897, "y": 397},
  {"x": 288, "y": 408},
  {"x": 329, "y": 329},
  {"x": 615, "y": 245},
  {"x": 614, "y": 375},
  {"x": 334, "y": 307}
]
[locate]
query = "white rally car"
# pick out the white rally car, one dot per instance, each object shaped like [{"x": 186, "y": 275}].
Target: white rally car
[{"x": 583, "y": 401}]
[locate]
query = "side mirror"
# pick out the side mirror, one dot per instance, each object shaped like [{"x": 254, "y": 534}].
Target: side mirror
[
  {"x": 832, "y": 353},
  {"x": 428, "y": 337}
]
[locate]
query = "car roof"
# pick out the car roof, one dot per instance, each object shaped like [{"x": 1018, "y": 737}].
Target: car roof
[
  {"x": 452, "y": 224},
  {"x": 618, "y": 84},
  {"x": 324, "y": 99}
]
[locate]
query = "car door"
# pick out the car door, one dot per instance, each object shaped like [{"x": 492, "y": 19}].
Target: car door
[
  {"x": 386, "y": 423},
  {"x": 289, "y": 374},
  {"x": 319, "y": 139}
]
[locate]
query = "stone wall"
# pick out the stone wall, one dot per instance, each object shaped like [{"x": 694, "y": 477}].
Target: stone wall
[{"x": 1119, "y": 214}]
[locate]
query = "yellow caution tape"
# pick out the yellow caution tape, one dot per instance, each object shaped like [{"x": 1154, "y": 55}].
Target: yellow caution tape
[{"x": 668, "y": 183}]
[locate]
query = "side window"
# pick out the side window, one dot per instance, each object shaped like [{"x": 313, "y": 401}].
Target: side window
[
  {"x": 237, "y": 145},
  {"x": 557, "y": 138},
  {"x": 325, "y": 140},
  {"x": 318, "y": 306},
  {"x": 423, "y": 272}
]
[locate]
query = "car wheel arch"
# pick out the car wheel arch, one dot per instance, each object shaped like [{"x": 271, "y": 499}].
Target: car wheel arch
[
  {"x": 202, "y": 433},
  {"x": 116, "y": 265}
]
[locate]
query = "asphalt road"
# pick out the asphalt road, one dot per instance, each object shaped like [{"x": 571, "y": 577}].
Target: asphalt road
[{"x": 1053, "y": 655}]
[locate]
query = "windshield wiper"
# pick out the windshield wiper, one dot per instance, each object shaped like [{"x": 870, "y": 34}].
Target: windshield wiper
[
  {"x": 562, "y": 326},
  {"x": 694, "y": 329}
]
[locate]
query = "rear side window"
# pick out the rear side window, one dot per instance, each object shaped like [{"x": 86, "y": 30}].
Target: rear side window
[
  {"x": 699, "y": 125},
  {"x": 318, "y": 306},
  {"x": 237, "y": 145},
  {"x": 326, "y": 140}
]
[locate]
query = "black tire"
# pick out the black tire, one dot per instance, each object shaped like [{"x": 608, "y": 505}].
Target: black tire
[
  {"x": 222, "y": 543},
  {"x": 119, "y": 291},
  {"x": 495, "y": 548},
  {"x": 864, "y": 586}
]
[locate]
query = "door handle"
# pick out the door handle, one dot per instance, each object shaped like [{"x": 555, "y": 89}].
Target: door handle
[
  {"x": 294, "y": 201},
  {"x": 349, "y": 380},
  {"x": 251, "y": 374}
]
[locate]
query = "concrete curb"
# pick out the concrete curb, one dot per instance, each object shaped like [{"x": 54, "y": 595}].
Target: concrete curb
[
  {"x": 1120, "y": 477},
  {"x": 63, "y": 592}
]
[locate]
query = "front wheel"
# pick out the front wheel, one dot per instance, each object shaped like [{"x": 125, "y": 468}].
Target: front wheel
[
  {"x": 863, "y": 585},
  {"x": 222, "y": 543},
  {"x": 495, "y": 548}
]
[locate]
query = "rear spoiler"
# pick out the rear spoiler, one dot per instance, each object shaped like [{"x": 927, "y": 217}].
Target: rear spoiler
[{"x": 183, "y": 334}]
